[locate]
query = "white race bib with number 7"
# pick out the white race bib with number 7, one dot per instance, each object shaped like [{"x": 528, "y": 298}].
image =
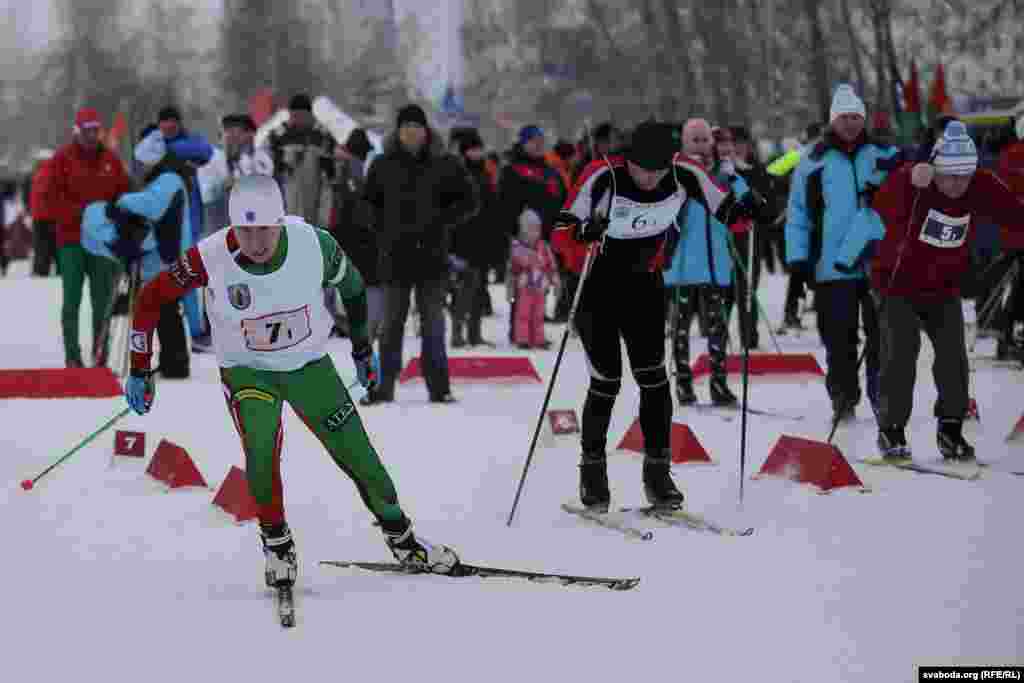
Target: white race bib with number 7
[
  {"x": 277, "y": 331},
  {"x": 276, "y": 321}
]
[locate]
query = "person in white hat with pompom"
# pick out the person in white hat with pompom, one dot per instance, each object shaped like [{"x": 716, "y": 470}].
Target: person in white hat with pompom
[{"x": 928, "y": 210}]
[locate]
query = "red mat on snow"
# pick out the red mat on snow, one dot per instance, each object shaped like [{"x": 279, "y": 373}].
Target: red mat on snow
[
  {"x": 684, "y": 443},
  {"x": 809, "y": 462},
  {"x": 763, "y": 364},
  {"x": 59, "y": 383},
  {"x": 495, "y": 369}
]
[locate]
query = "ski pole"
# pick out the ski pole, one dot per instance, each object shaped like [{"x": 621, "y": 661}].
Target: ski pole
[
  {"x": 29, "y": 483},
  {"x": 551, "y": 382},
  {"x": 745, "y": 341}
]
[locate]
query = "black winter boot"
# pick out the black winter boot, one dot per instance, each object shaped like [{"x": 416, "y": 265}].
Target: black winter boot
[
  {"x": 951, "y": 441},
  {"x": 721, "y": 395},
  {"x": 659, "y": 488},
  {"x": 594, "y": 493}
]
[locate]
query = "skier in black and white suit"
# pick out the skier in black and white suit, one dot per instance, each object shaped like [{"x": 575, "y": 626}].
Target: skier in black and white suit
[{"x": 627, "y": 209}]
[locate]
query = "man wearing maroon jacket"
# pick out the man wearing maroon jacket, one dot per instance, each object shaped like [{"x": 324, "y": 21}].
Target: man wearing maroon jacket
[
  {"x": 928, "y": 210},
  {"x": 84, "y": 171}
]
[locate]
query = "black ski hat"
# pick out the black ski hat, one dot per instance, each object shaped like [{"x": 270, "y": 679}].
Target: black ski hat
[
  {"x": 652, "y": 146},
  {"x": 300, "y": 102},
  {"x": 411, "y": 113},
  {"x": 358, "y": 143},
  {"x": 170, "y": 113}
]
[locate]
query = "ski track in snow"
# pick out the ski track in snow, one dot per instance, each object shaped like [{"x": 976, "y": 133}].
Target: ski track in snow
[{"x": 110, "y": 576}]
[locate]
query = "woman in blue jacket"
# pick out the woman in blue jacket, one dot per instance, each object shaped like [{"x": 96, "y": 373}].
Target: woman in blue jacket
[
  {"x": 700, "y": 277},
  {"x": 152, "y": 227}
]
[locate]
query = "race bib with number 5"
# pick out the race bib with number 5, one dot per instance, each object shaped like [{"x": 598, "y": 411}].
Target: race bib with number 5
[
  {"x": 277, "y": 331},
  {"x": 944, "y": 232}
]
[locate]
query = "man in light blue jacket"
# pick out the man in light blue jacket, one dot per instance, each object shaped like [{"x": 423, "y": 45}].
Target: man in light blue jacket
[
  {"x": 830, "y": 194},
  {"x": 194, "y": 150}
]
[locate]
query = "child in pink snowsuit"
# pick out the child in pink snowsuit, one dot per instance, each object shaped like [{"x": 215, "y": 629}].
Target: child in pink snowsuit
[{"x": 534, "y": 272}]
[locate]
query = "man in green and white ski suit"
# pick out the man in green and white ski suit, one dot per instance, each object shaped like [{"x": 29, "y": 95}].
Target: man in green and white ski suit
[{"x": 265, "y": 277}]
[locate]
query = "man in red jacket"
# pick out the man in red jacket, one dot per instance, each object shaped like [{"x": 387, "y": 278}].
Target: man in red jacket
[
  {"x": 928, "y": 210},
  {"x": 44, "y": 230},
  {"x": 83, "y": 171},
  {"x": 1011, "y": 171}
]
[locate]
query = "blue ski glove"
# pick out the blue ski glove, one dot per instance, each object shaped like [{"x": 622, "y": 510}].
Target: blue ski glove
[
  {"x": 140, "y": 391},
  {"x": 367, "y": 365}
]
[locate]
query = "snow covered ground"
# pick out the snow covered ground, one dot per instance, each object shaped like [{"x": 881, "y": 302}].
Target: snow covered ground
[{"x": 110, "y": 577}]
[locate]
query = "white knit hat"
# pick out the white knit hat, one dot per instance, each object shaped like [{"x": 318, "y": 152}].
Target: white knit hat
[
  {"x": 256, "y": 200},
  {"x": 151, "y": 149},
  {"x": 955, "y": 153},
  {"x": 845, "y": 101}
]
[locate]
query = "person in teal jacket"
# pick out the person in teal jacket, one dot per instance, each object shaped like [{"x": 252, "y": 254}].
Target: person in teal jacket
[
  {"x": 194, "y": 150},
  {"x": 830, "y": 191},
  {"x": 153, "y": 228},
  {"x": 699, "y": 279}
]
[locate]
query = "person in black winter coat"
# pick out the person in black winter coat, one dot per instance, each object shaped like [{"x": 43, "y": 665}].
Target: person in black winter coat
[
  {"x": 475, "y": 243},
  {"x": 418, "y": 195}
]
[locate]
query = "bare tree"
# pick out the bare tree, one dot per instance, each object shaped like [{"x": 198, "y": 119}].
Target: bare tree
[
  {"x": 266, "y": 43},
  {"x": 819, "y": 67}
]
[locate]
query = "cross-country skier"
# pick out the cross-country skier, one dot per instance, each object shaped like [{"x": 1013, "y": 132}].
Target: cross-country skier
[
  {"x": 265, "y": 278},
  {"x": 626, "y": 209},
  {"x": 928, "y": 210}
]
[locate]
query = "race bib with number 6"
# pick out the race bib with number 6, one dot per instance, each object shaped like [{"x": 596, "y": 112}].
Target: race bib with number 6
[{"x": 277, "y": 331}]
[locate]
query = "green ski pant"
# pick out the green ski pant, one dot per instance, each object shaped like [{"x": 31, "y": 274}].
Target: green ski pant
[
  {"x": 318, "y": 396},
  {"x": 75, "y": 263}
]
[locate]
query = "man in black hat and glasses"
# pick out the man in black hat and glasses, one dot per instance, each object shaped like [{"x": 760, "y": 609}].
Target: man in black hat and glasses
[{"x": 624, "y": 210}]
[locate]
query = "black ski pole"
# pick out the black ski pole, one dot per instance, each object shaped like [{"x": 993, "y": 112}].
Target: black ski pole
[
  {"x": 745, "y": 341},
  {"x": 551, "y": 382}
]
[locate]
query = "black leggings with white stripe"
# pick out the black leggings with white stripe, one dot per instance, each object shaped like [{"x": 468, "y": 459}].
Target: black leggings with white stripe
[{"x": 630, "y": 306}]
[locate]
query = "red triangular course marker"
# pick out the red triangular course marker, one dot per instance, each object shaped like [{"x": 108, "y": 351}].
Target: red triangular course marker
[
  {"x": 686, "y": 448},
  {"x": 234, "y": 497},
  {"x": 172, "y": 465},
  {"x": 480, "y": 370},
  {"x": 809, "y": 462}
]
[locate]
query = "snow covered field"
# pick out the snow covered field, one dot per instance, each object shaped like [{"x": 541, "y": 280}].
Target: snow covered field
[{"x": 109, "y": 577}]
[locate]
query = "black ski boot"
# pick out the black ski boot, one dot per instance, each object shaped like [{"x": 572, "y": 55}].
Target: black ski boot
[
  {"x": 951, "y": 441},
  {"x": 458, "y": 338},
  {"x": 279, "y": 550},
  {"x": 684, "y": 392},
  {"x": 594, "y": 493},
  {"x": 843, "y": 409},
  {"x": 892, "y": 443},
  {"x": 659, "y": 488},
  {"x": 721, "y": 395}
]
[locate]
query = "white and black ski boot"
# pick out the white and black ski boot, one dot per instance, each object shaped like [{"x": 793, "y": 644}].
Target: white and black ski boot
[
  {"x": 721, "y": 394},
  {"x": 418, "y": 554},
  {"x": 279, "y": 550},
  {"x": 892, "y": 443},
  {"x": 951, "y": 441},
  {"x": 659, "y": 488},
  {"x": 594, "y": 493}
]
